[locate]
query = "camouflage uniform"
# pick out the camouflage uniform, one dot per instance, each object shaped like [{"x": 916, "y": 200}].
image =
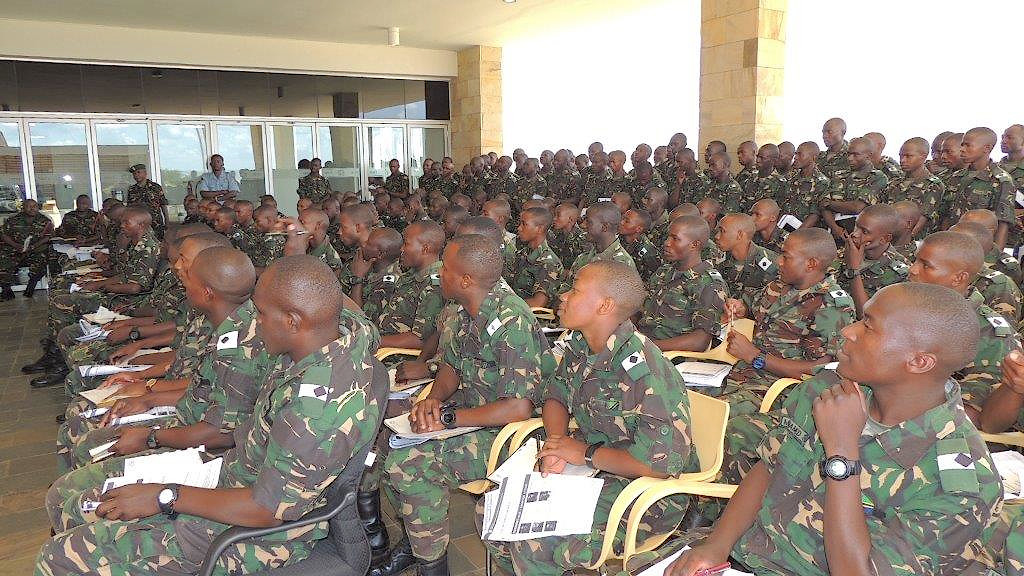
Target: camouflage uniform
[
  {"x": 151, "y": 195},
  {"x": 1000, "y": 293},
  {"x": 667, "y": 170},
  {"x": 1015, "y": 237},
  {"x": 568, "y": 245},
  {"x": 681, "y": 301},
  {"x": 745, "y": 175},
  {"x": 19, "y": 228},
  {"x": 1013, "y": 551},
  {"x": 429, "y": 182},
  {"x": 774, "y": 242},
  {"x": 759, "y": 187},
  {"x": 646, "y": 256},
  {"x": 379, "y": 289},
  {"x": 659, "y": 230},
  {"x": 637, "y": 190},
  {"x": 692, "y": 189},
  {"x": 745, "y": 279},
  {"x": 448, "y": 185},
  {"x": 617, "y": 183},
  {"x": 712, "y": 253},
  {"x": 594, "y": 185},
  {"x": 792, "y": 324},
  {"x": 990, "y": 188},
  {"x": 316, "y": 188},
  {"x": 496, "y": 355},
  {"x": 831, "y": 162},
  {"x": 865, "y": 185},
  {"x": 805, "y": 193},
  {"x": 502, "y": 184},
  {"x": 630, "y": 397},
  {"x": 729, "y": 194},
  {"x": 537, "y": 270},
  {"x": 614, "y": 251},
  {"x": 890, "y": 268},
  {"x": 416, "y": 305},
  {"x": 315, "y": 414},
  {"x": 891, "y": 169},
  {"x": 267, "y": 248},
  {"x": 526, "y": 189},
  {"x": 1003, "y": 262},
  {"x": 78, "y": 224},
  {"x": 239, "y": 240},
  {"x": 928, "y": 192},
  {"x": 998, "y": 339},
  {"x": 329, "y": 256},
  {"x": 563, "y": 184}
]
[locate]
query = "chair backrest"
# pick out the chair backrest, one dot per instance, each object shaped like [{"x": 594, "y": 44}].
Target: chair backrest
[
  {"x": 346, "y": 529},
  {"x": 774, "y": 391},
  {"x": 708, "y": 418},
  {"x": 719, "y": 353}
]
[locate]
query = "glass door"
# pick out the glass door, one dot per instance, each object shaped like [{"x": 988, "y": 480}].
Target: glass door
[
  {"x": 12, "y": 173},
  {"x": 338, "y": 149},
  {"x": 291, "y": 144},
  {"x": 181, "y": 155},
  {"x": 383, "y": 144},
  {"x": 241, "y": 145},
  {"x": 60, "y": 162},
  {"x": 119, "y": 146},
  {"x": 425, "y": 142}
]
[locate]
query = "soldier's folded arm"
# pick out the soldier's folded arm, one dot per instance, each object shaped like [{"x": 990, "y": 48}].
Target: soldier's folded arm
[
  {"x": 198, "y": 434},
  {"x": 696, "y": 340},
  {"x": 236, "y": 506}
]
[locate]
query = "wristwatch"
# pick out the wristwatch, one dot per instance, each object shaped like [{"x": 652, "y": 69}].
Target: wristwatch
[
  {"x": 166, "y": 499},
  {"x": 357, "y": 280},
  {"x": 134, "y": 335},
  {"x": 839, "y": 468},
  {"x": 432, "y": 366},
  {"x": 448, "y": 416},
  {"x": 759, "y": 361},
  {"x": 588, "y": 456},
  {"x": 851, "y": 273},
  {"x": 151, "y": 441}
]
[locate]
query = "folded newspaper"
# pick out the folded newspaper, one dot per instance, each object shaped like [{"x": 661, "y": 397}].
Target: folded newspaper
[
  {"x": 1010, "y": 466},
  {"x": 91, "y": 332},
  {"x": 704, "y": 374},
  {"x": 404, "y": 437},
  {"x": 527, "y": 506},
  {"x": 154, "y": 413},
  {"x": 102, "y": 316}
]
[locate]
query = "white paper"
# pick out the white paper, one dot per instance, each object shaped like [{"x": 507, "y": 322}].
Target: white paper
[
  {"x": 1020, "y": 198},
  {"x": 1010, "y": 466},
  {"x": 528, "y": 506},
  {"x": 547, "y": 330},
  {"x": 102, "y": 451},
  {"x": 659, "y": 568},
  {"x": 839, "y": 217},
  {"x": 154, "y": 413},
  {"x": 704, "y": 374},
  {"x": 74, "y": 288},
  {"x": 185, "y": 467},
  {"x": 98, "y": 395},
  {"x": 524, "y": 460},
  {"x": 90, "y": 370},
  {"x": 82, "y": 270},
  {"x": 404, "y": 394},
  {"x": 102, "y": 316},
  {"x": 404, "y": 437}
]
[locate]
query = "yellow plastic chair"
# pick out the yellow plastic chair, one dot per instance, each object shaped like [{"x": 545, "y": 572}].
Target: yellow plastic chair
[
  {"x": 508, "y": 432},
  {"x": 708, "y": 418},
  {"x": 383, "y": 353},
  {"x": 719, "y": 353},
  {"x": 544, "y": 314},
  {"x": 773, "y": 393},
  {"x": 1005, "y": 438}
]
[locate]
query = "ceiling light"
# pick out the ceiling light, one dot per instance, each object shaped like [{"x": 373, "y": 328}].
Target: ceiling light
[
  {"x": 509, "y": 1},
  {"x": 393, "y": 36}
]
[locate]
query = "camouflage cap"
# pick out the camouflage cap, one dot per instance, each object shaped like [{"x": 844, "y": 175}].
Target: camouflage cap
[{"x": 135, "y": 168}]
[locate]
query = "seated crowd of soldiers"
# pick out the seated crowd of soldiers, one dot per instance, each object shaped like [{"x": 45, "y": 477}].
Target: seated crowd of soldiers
[{"x": 889, "y": 288}]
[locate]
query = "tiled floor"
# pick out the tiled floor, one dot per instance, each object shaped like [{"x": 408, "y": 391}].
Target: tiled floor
[{"x": 27, "y": 461}]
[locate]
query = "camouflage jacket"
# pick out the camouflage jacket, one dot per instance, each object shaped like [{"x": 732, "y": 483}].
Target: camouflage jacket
[
  {"x": 831, "y": 162},
  {"x": 891, "y": 169},
  {"x": 866, "y": 186},
  {"x": 78, "y": 224},
  {"x": 191, "y": 334},
  {"x": 429, "y": 182},
  {"x": 537, "y": 270},
  {"x": 927, "y": 192},
  {"x": 19, "y": 227},
  {"x": 506, "y": 183},
  {"x": 526, "y": 189},
  {"x": 1000, "y": 293},
  {"x": 329, "y": 256},
  {"x": 746, "y": 174},
  {"x": 990, "y": 188},
  {"x": 416, "y": 304},
  {"x": 747, "y": 278},
  {"x": 448, "y": 185},
  {"x": 890, "y": 268},
  {"x": 667, "y": 170},
  {"x": 140, "y": 262},
  {"x": 379, "y": 289},
  {"x": 998, "y": 338},
  {"x": 594, "y": 186},
  {"x": 681, "y": 301},
  {"x": 637, "y": 189},
  {"x": 729, "y": 194},
  {"x": 646, "y": 256},
  {"x": 805, "y": 193},
  {"x": 563, "y": 184},
  {"x": 691, "y": 189},
  {"x": 774, "y": 242},
  {"x": 659, "y": 230},
  {"x": 168, "y": 296},
  {"x": 568, "y": 245},
  {"x": 759, "y": 187},
  {"x": 397, "y": 185},
  {"x": 930, "y": 491},
  {"x": 151, "y": 195},
  {"x": 614, "y": 251},
  {"x": 618, "y": 183},
  {"x": 712, "y": 253},
  {"x": 268, "y": 247},
  {"x": 316, "y": 188},
  {"x": 1005, "y": 263}
]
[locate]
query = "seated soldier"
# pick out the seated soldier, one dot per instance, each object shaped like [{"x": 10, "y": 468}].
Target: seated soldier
[
  {"x": 690, "y": 185},
  {"x": 808, "y": 186},
  {"x": 566, "y": 238},
  {"x": 953, "y": 259},
  {"x": 317, "y": 410},
  {"x": 269, "y": 243},
  {"x": 453, "y": 216},
  {"x": 314, "y": 241},
  {"x": 408, "y": 318},
  {"x": 622, "y": 200},
  {"x": 874, "y": 467},
  {"x": 537, "y": 275},
  {"x": 999, "y": 291},
  {"x": 25, "y": 242},
  {"x": 852, "y": 189},
  {"x": 917, "y": 184},
  {"x": 499, "y": 210},
  {"x": 747, "y": 267},
  {"x": 354, "y": 225},
  {"x": 631, "y": 410},
  {"x": 376, "y": 270},
  {"x": 994, "y": 258},
  {"x": 684, "y": 308},
  {"x": 724, "y": 189},
  {"x": 869, "y": 261},
  {"x": 492, "y": 354},
  {"x": 911, "y": 225},
  {"x": 220, "y": 395},
  {"x": 654, "y": 203},
  {"x": 765, "y": 182},
  {"x": 79, "y": 223},
  {"x": 767, "y": 234},
  {"x": 710, "y": 210},
  {"x": 711, "y": 253},
  {"x": 192, "y": 214},
  {"x": 601, "y": 225},
  {"x": 302, "y": 205},
  {"x": 224, "y": 223},
  {"x": 633, "y": 234},
  {"x": 797, "y": 319}
]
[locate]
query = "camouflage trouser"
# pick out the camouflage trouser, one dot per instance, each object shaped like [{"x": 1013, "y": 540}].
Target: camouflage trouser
[
  {"x": 67, "y": 308},
  {"x": 370, "y": 481},
  {"x": 81, "y": 354},
  {"x": 1013, "y": 554},
  {"x": 10, "y": 261},
  {"x": 421, "y": 478},
  {"x": 77, "y": 435},
  {"x": 158, "y": 546},
  {"x": 556, "y": 554}
]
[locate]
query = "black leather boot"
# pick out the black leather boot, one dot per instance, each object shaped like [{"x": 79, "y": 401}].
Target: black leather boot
[
  {"x": 50, "y": 378},
  {"x": 368, "y": 504},
  {"x": 399, "y": 560},
  {"x": 438, "y": 567},
  {"x": 30, "y": 288},
  {"x": 50, "y": 359},
  {"x": 6, "y": 294}
]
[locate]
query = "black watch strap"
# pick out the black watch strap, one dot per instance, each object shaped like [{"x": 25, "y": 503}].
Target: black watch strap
[{"x": 588, "y": 456}]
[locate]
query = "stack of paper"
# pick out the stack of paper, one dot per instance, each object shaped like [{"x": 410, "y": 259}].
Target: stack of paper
[
  {"x": 528, "y": 506},
  {"x": 659, "y": 568},
  {"x": 185, "y": 467},
  {"x": 90, "y": 370},
  {"x": 91, "y": 332},
  {"x": 524, "y": 461},
  {"x": 1010, "y": 466},
  {"x": 102, "y": 316},
  {"x": 704, "y": 374},
  {"x": 154, "y": 413},
  {"x": 404, "y": 437}
]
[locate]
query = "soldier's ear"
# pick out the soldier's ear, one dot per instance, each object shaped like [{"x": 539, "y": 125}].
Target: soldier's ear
[
  {"x": 607, "y": 306},
  {"x": 961, "y": 278},
  {"x": 921, "y": 363},
  {"x": 294, "y": 321}
]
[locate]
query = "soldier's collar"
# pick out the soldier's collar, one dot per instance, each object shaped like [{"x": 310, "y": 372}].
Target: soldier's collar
[
  {"x": 616, "y": 341},
  {"x": 907, "y": 442},
  {"x": 975, "y": 298},
  {"x": 240, "y": 314},
  {"x": 536, "y": 253},
  {"x": 325, "y": 356},
  {"x": 615, "y": 245},
  {"x": 428, "y": 271}
]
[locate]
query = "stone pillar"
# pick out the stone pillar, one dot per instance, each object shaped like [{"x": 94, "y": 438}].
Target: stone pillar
[
  {"x": 476, "y": 104},
  {"x": 742, "y": 60}
]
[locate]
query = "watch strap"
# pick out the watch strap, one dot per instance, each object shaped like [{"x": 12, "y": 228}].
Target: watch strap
[
  {"x": 588, "y": 456},
  {"x": 168, "y": 507}
]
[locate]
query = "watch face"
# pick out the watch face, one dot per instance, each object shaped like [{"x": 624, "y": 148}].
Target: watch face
[
  {"x": 165, "y": 496},
  {"x": 837, "y": 468}
]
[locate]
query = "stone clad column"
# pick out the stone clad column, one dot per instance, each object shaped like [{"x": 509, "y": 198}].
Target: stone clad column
[{"x": 476, "y": 104}]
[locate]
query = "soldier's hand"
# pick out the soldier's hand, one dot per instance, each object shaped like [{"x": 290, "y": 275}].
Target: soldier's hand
[
  {"x": 411, "y": 370},
  {"x": 131, "y": 441},
  {"x": 119, "y": 379},
  {"x": 125, "y": 407},
  {"x": 741, "y": 347},
  {"x": 1013, "y": 371},
  {"x": 735, "y": 309},
  {"x": 360, "y": 265},
  {"x": 124, "y": 352},
  {"x": 426, "y": 416},
  {"x": 854, "y": 254},
  {"x": 115, "y": 324},
  {"x": 568, "y": 449},
  {"x": 695, "y": 559},
  {"x": 840, "y": 413},
  {"x": 118, "y": 335},
  {"x": 130, "y": 502},
  {"x": 551, "y": 464}
]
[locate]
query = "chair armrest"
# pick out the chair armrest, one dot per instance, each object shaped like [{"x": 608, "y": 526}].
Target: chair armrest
[
  {"x": 236, "y": 534},
  {"x": 383, "y": 353},
  {"x": 625, "y": 498},
  {"x": 523, "y": 431},
  {"x": 1007, "y": 438},
  {"x": 774, "y": 391}
]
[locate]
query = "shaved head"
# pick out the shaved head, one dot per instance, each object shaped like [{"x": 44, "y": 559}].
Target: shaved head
[
  {"x": 620, "y": 282},
  {"x": 478, "y": 256},
  {"x": 837, "y": 123},
  {"x": 815, "y": 243},
  {"x": 986, "y": 218},
  {"x": 306, "y": 286},
  {"x": 768, "y": 206},
  {"x": 739, "y": 223},
  {"x": 918, "y": 144},
  {"x": 936, "y": 320},
  {"x": 985, "y": 136},
  {"x": 483, "y": 226},
  {"x": 203, "y": 240},
  {"x": 693, "y": 227},
  {"x": 388, "y": 241},
  {"x": 958, "y": 247},
  {"x": 884, "y": 217},
  {"x": 604, "y": 213},
  {"x": 359, "y": 214},
  {"x": 430, "y": 233},
  {"x": 226, "y": 271},
  {"x": 977, "y": 231}
]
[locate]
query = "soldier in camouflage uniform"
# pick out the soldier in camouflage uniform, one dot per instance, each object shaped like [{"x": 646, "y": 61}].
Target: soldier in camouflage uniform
[
  {"x": 853, "y": 189},
  {"x": 376, "y": 271},
  {"x": 746, "y": 267},
  {"x": 985, "y": 185},
  {"x": 870, "y": 262},
  {"x": 952, "y": 177},
  {"x": 269, "y": 244},
  {"x": 746, "y": 155},
  {"x": 147, "y": 193},
  {"x": 767, "y": 233},
  {"x": 684, "y": 308},
  {"x": 529, "y": 185},
  {"x": 448, "y": 181},
  {"x": 537, "y": 274},
  {"x": 224, "y": 223},
  {"x": 690, "y": 184},
  {"x": 601, "y": 224},
  {"x": 808, "y": 186},
  {"x": 934, "y": 164},
  {"x": 1012, "y": 144},
  {"x": 315, "y": 243},
  {"x": 502, "y": 181},
  {"x": 408, "y": 318},
  {"x": 797, "y": 319},
  {"x": 630, "y": 406},
  {"x": 784, "y": 165},
  {"x": 595, "y": 180},
  {"x": 27, "y": 226},
  {"x": 563, "y": 181},
  {"x": 835, "y": 156},
  {"x": 492, "y": 366},
  {"x": 566, "y": 238},
  {"x": 766, "y": 181},
  {"x": 929, "y": 491},
  {"x": 885, "y": 164},
  {"x": 244, "y": 220},
  {"x": 654, "y": 203},
  {"x": 79, "y": 223},
  {"x": 314, "y": 185},
  {"x": 999, "y": 291},
  {"x": 317, "y": 412},
  {"x": 641, "y": 180},
  {"x": 724, "y": 188},
  {"x": 917, "y": 184},
  {"x": 633, "y": 235},
  {"x": 618, "y": 180}
]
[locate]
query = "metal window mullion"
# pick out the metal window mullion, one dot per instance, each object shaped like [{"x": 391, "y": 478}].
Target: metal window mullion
[
  {"x": 27, "y": 166},
  {"x": 92, "y": 146}
]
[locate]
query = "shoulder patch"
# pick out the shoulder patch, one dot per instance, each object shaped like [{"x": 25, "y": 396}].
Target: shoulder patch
[
  {"x": 1008, "y": 260},
  {"x": 764, "y": 263},
  {"x": 1001, "y": 325},
  {"x": 435, "y": 279},
  {"x": 228, "y": 341},
  {"x": 841, "y": 297},
  {"x": 715, "y": 275},
  {"x": 389, "y": 278},
  {"x": 956, "y": 466},
  {"x": 991, "y": 274},
  {"x": 899, "y": 267},
  {"x": 635, "y": 365}
]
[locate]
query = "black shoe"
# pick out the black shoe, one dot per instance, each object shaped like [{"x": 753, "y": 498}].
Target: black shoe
[
  {"x": 368, "y": 504},
  {"x": 30, "y": 288},
  {"x": 693, "y": 519},
  {"x": 50, "y": 379},
  {"x": 6, "y": 294},
  {"x": 438, "y": 567},
  {"x": 60, "y": 419},
  {"x": 399, "y": 560},
  {"x": 46, "y": 363}
]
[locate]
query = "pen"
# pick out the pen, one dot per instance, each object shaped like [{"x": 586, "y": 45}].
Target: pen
[
  {"x": 713, "y": 570},
  {"x": 297, "y": 233}
]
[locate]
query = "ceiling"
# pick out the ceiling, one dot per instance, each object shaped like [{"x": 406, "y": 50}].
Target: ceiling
[{"x": 435, "y": 24}]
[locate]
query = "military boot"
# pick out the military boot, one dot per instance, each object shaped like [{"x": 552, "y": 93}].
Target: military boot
[
  {"x": 51, "y": 356},
  {"x": 30, "y": 288},
  {"x": 399, "y": 560},
  {"x": 6, "y": 294},
  {"x": 368, "y": 504},
  {"x": 437, "y": 567}
]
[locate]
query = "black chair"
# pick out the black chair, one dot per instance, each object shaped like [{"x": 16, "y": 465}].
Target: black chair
[{"x": 345, "y": 551}]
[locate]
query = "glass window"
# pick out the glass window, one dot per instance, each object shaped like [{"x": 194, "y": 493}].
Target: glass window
[
  {"x": 170, "y": 91},
  {"x": 384, "y": 143},
  {"x": 112, "y": 89},
  {"x": 60, "y": 162},
  {"x": 243, "y": 93},
  {"x": 48, "y": 87},
  {"x": 437, "y": 104},
  {"x": 293, "y": 95},
  {"x": 339, "y": 151},
  {"x": 12, "y": 178},
  {"x": 424, "y": 142},
  {"x": 8, "y": 87},
  {"x": 415, "y": 100},
  {"x": 337, "y": 97},
  {"x": 382, "y": 98},
  {"x": 241, "y": 145},
  {"x": 182, "y": 150},
  {"x": 119, "y": 146},
  {"x": 291, "y": 144}
]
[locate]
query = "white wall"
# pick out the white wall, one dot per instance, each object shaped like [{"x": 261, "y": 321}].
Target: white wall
[
  {"x": 904, "y": 68},
  {"x": 629, "y": 78}
]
